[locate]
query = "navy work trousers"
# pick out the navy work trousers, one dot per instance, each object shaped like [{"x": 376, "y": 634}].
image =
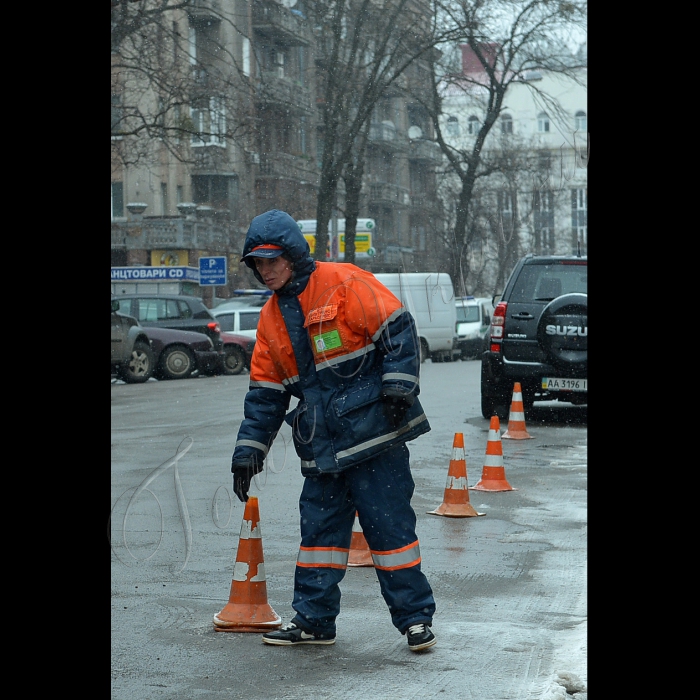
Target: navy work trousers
[{"x": 380, "y": 491}]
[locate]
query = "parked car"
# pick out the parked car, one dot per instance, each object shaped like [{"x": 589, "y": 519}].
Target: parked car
[
  {"x": 245, "y": 297},
  {"x": 473, "y": 321},
  {"x": 538, "y": 335},
  {"x": 238, "y": 350},
  {"x": 238, "y": 318},
  {"x": 133, "y": 359},
  {"x": 179, "y": 354},
  {"x": 181, "y": 312}
]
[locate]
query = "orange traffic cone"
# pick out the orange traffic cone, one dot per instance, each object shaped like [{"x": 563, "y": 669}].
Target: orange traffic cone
[
  {"x": 493, "y": 475},
  {"x": 247, "y": 609},
  {"x": 455, "y": 503},
  {"x": 360, "y": 554},
  {"x": 516, "y": 417}
]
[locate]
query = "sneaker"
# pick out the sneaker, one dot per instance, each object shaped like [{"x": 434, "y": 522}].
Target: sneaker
[
  {"x": 291, "y": 634},
  {"x": 420, "y": 637}
]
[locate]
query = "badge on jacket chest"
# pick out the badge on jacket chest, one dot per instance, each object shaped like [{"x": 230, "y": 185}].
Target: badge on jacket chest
[{"x": 322, "y": 324}]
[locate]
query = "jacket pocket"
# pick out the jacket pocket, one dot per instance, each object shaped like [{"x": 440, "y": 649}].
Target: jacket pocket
[{"x": 364, "y": 395}]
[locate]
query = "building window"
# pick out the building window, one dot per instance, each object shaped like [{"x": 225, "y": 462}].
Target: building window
[
  {"x": 217, "y": 191},
  {"x": 505, "y": 202},
  {"x": 164, "y": 198},
  {"x": 473, "y": 125},
  {"x": 176, "y": 42},
  {"x": 117, "y": 200},
  {"x": 543, "y": 122},
  {"x": 543, "y": 221},
  {"x": 453, "y": 126},
  {"x": 192, "y": 45},
  {"x": 117, "y": 115},
  {"x": 179, "y": 196},
  {"x": 245, "y": 48},
  {"x": 209, "y": 120},
  {"x": 302, "y": 135},
  {"x": 544, "y": 160},
  {"x": 579, "y": 219},
  {"x": 580, "y": 121},
  {"x": 418, "y": 238},
  {"x": 506, "y": 124}
]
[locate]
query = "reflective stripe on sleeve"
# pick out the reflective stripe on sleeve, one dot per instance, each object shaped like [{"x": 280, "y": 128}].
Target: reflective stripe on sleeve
[
  {"x": 397, "y": 558},
  {"x": 305, "y": 464},
  {"x": 323, "y": 557},
  {"x": 266, "y": 385},
  {"x": 252, "y": 443},
  {"x": 400, "y": 377},
  {"x": 393, "y": 316}
]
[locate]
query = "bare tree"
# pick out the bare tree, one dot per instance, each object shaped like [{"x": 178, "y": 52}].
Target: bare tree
[
  {"x": 167, "y": 95},
  {"x": 507, "y": 40},
  {"x": 367, "y": 45}
]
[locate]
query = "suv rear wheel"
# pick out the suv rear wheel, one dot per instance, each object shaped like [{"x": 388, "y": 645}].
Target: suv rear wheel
[{"x": 141, "y": 365}]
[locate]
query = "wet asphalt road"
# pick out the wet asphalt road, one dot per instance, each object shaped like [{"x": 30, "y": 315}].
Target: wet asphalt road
[{"x": 510, "y": 586}]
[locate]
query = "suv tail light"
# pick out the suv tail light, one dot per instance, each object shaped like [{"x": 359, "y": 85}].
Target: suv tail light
[
  {"x": 498, "y": 326},
  {"x": 214, "y": 326}
]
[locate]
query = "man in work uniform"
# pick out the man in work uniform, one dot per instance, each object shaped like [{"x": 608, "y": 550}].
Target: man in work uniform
[{"x": 341, "y": 343}]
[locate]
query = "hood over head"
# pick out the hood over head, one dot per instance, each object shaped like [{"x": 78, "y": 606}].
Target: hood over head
[{"x": 271, "y": 234}]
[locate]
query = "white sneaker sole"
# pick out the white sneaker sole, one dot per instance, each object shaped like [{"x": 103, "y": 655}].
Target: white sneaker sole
[
  {"x": 286, "y": 642},
  {"x": 425, "y": 645}
]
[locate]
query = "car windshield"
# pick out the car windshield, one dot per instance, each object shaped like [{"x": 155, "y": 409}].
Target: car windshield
[
  {"x": 467, "y": 314},
  {"x": 547, "y": 282}
]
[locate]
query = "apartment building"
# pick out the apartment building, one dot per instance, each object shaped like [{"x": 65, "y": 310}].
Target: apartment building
[
  {"x": 542, "y": 132},
  {"x": 215, "y": 119}
]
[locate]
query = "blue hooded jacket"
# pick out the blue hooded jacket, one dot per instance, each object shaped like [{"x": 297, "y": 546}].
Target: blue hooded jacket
[{"x": 339, "y": 420}]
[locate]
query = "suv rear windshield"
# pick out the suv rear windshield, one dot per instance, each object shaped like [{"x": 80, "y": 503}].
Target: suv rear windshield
[{"x": 547, "y": 282}]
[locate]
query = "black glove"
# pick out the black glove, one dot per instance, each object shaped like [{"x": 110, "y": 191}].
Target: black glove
[
  {"x": 243, "y": 472},
  {"x": 395, "y": 405}
]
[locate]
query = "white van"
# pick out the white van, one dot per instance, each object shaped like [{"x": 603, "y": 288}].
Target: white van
[{"x": 430, "y": 298}]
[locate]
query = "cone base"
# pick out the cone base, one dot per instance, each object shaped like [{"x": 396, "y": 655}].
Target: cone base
[
  {"x": 361, "y": 562},
  {"x": 516, "y": 435},
  {"x": 492, "y": 486},
  {"x": 241, "y": 618},
  {"x": 464, "y": 510}
]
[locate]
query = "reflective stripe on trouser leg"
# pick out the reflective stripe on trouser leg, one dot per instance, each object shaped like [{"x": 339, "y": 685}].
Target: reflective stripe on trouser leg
[
  {"x": 380, "y": 490},
  {"x": 390, "y": 532},
  {"x": 327, "y": 517}
]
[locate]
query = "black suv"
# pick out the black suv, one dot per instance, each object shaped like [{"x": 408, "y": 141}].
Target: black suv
[
  {"x": 538, "y": 336},
  {"x": 177, "y": 311}
]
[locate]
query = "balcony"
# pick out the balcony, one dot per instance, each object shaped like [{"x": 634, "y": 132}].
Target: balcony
[
  {"x": 166, "y": 232},
  {"x": 205, "y": 9},
  {"x": 425, "y": 202},
  {"x": 422, "y": 149},
  {"x": 275, "y": 90},
  {"x": 387, "y": 193},
  {"x": 385, "y": 134},
  {"x": 280, "y": 24},
  {"x": 289, "y": 167}
]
